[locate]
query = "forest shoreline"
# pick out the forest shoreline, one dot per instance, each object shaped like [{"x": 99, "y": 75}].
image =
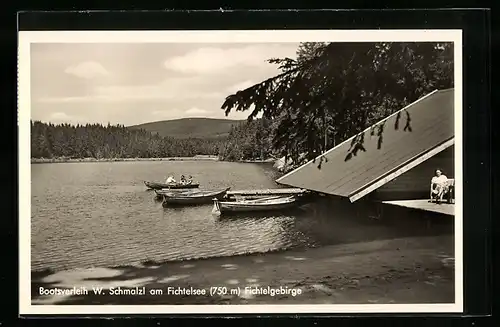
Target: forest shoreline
[
  {"x": 91, "y": 160},
  {"x": 80, "y": 160}
]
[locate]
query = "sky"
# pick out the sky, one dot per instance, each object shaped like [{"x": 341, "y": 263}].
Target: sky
[{"x": 137, "y": 83}]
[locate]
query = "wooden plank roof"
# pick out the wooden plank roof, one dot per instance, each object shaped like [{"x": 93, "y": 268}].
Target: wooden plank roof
[{"x": 407, "y": 137}]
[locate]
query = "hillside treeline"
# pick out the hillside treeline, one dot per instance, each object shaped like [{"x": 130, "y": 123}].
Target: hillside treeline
[{"x": 99, "y": 141}]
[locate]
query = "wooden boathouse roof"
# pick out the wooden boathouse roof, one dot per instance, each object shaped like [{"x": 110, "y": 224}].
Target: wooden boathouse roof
[{"x": 408, "y": 137}]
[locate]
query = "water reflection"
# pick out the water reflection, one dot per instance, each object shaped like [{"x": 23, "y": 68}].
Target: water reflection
[
  {"x": 100, "y": 214},
  {"x": 236, "y": 234}
]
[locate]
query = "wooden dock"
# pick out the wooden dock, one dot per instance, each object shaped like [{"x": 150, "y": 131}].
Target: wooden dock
[
  {"x": 270, "y": 191},
  {"x": 443, "y": 208}
]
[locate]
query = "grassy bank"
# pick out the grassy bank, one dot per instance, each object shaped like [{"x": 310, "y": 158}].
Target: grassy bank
[
  {"x": 270, "y": 160},
  {"x": 70, "y": 160},
  {"x": 195, "y": 158},
  {"x": 406, "y": 270}
]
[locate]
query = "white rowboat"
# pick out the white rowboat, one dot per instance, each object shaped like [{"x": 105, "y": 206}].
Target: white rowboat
[
  {"x": 262, "y": 204},
  {"x": 194, "y": 197}
]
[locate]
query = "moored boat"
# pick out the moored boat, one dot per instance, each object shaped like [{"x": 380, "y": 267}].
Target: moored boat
[
  {"x": 193, "y": 197},
  {"x": 266, "y": 192},
  {"x": 163, "y": 191},
  {"x": 271, "y": 203},
  {"x": 159, "y": 186},
  {"x": 159, "y": 193}
]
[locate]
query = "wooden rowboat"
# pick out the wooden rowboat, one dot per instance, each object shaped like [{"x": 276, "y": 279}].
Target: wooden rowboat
[
  {"x": 262, "y": 204},
  {"x": 159, "y": 186},
  {"x": 193, "y": 197},
  {"x": 163, "y": 191},
  {"x": 267, "y": 192},
  {"x": 167, "y": 191}
]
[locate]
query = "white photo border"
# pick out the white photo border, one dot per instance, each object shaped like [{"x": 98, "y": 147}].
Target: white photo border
[{"x": 26, "y": 38}]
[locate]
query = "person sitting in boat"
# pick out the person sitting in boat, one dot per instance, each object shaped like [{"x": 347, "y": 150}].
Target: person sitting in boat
[
  {"x": 170, "y": 180},
  {"x": 183, "y": 180},
  {"x": 438, "y": 185},
  {"x": 190, "y": 180}
]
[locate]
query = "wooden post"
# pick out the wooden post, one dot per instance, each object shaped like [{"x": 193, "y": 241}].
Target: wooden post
[
  {"x": 326, "y": 140},
  {"x": 326, "y": 132}
]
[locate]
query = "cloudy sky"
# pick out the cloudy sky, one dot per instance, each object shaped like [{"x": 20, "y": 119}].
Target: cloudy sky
[{"x": 136, "y": 83}]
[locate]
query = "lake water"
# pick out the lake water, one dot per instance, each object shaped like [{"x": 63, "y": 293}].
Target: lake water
[
  {"x": 100, "y": 214},
  {"x": 90, "y": 214}
]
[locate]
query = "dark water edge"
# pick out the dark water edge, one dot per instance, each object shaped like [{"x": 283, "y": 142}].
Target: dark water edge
[
  {"x": 102, "y": 214},
  {"x": 41, "y": 273},
  {"x": 396, "y": 223},
  {"x": 91, "y": 160},
  {"x": 93, "y": 216}
]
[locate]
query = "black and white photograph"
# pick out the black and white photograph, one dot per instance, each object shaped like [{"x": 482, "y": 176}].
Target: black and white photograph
[{"x": 312, "y": 171}]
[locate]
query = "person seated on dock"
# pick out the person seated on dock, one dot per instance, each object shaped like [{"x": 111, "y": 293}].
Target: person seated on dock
[
  {"x": 170, "y": 180},
  {"x": 439, "y": 186}
]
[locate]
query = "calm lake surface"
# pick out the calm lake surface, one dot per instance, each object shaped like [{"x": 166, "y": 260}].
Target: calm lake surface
[
  {"x": 100, "y": 214},
  {"x": 93, "y": 214}
]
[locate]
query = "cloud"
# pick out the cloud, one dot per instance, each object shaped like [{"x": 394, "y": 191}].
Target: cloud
[
  {"x": 160, "y": 112},
  {"x": 87, "y": 70},
  {"x": 241, "y": 66},
  {"x": 175, "y": 113},
  {"x": 240, "y": 86},
  {"x": 196, "y": 111},
  {"x": 174, "y": 88},
  {"x": 71, "y": 99},
  {"x": 209, "y": 60},
  {"x": 163, "y": 114},
  {"x": 129, "y": 113},
  {"x": 140, "y": 85},
  {"x": 62, "y": 117}
]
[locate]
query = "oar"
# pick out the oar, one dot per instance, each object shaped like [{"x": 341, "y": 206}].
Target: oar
[{"x": 263, "y": 199}]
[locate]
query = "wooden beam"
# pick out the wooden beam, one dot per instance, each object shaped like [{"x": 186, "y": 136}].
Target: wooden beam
[
  {"x": 409, "y": 164},
  {"x": 443, "y": 208},
  {"x": 267, "y": 191}
]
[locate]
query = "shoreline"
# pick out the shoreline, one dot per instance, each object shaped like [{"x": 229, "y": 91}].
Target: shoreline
[
  {"x": 79, "y": 160},
  {"x": 404, "y": 270},
  {"x": 92, "y": 160}
]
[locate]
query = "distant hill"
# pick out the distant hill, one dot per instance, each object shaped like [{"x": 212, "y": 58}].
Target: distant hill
[{"x": 190, "y": 127}]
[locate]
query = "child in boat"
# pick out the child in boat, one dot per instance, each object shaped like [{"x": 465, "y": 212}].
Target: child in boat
[{"x": 170, "y": 180}]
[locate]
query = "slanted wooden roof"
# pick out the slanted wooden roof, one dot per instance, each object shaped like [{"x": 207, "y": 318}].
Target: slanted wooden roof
[{"x": 407, "y": 138}]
